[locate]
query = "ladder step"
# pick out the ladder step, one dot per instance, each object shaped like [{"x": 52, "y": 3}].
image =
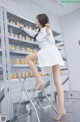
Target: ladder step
[{"x": 47, "y": 107}]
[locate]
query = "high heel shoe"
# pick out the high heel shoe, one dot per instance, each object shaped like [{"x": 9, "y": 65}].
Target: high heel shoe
[
  {"x": 41, "y": 88},
  {"x": 62, "y": 118}
]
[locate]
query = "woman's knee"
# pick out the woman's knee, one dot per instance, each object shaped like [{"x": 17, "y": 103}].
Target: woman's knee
[{"x": 28, "y": 59}]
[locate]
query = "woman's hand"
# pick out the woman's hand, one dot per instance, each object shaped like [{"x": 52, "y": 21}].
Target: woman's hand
[{"x": 47, "y": 27}]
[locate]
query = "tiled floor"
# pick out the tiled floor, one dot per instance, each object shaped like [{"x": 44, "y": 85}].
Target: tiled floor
[{"x": 72, "y": 107}]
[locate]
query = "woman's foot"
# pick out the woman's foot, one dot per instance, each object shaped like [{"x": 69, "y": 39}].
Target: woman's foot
[
  {"x": 60, "y": 115},
  {"x": 38, "y": 85}
]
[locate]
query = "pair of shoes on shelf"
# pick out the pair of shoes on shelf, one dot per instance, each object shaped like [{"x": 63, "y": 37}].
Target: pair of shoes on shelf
[{"x": 62, "y": 118}]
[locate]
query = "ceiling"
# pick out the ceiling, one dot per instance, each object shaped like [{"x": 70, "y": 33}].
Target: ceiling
[{"x": 57, "y": 8}]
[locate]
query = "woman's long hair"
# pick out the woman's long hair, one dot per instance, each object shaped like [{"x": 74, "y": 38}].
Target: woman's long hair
[{"x": 43, "y": 19}]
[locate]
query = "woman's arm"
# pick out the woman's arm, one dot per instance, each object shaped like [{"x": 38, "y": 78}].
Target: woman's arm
[
  {"x": 30, "y": 32},
  {"x": 49, "y": 35}
]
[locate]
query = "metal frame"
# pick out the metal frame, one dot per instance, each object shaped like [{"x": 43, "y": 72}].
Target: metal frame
[
  {"x": 27, "y": 94},
  {"x": 36, "y": 99},
  {"x": 10, "y": 114},
  {"x": 4, "y": 80}
]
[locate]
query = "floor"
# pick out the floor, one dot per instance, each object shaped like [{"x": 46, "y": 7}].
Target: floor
[{"x": 72, "y": 106}]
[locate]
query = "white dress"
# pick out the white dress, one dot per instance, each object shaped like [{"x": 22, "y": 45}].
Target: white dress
[{"x": 48, "y": 55}]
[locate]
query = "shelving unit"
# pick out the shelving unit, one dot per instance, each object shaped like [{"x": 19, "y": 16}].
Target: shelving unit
[
  {"x": 18, "y": 37},
  {"x": 18, "y": 44},
  {"x": 15, "y": 45}
]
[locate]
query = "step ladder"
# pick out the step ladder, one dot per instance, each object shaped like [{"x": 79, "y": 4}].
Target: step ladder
[{"x": 39, "y": 103}]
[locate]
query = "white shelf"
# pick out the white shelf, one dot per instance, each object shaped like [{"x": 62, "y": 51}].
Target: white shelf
[
  {"x": 22, "y": 40},
  {"x": 21, "y": 65},
  {"x": 13, "y": 25},
  {"x": 63, "y": 67},
  {"x": 26, "y": 65},
  {"x": 12, "y": 14},
  {"x": 20, "y": 52},
  {"x": 30, "y": 78},
  {"x": 16, "y": 26}
]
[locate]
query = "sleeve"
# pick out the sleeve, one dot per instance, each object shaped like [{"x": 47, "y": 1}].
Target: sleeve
[
  {"x": 30, "y": 32},
  {"x": 50, "y": 37}
]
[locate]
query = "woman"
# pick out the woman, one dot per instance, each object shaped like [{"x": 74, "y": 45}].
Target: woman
[{"x": 49, "y": 57}]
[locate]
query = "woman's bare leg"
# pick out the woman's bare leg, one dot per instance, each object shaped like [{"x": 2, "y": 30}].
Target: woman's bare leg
[
  {"x": 60, "y": 93},
  {"x": 30, "y": 58}
]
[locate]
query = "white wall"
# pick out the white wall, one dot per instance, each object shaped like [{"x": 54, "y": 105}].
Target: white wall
[
  {"x": 71, "y": 30},
  {"x": 29, "y": 10}
]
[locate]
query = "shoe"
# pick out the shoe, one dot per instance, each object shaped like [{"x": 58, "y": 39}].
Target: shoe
[
  {"x": 62, "y": 118},
  {"x": 41, "y": 88},
  {"x": 36, "y": 90}
]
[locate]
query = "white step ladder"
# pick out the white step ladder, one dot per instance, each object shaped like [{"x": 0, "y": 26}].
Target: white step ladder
[{"x": 41, "y": 106}]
